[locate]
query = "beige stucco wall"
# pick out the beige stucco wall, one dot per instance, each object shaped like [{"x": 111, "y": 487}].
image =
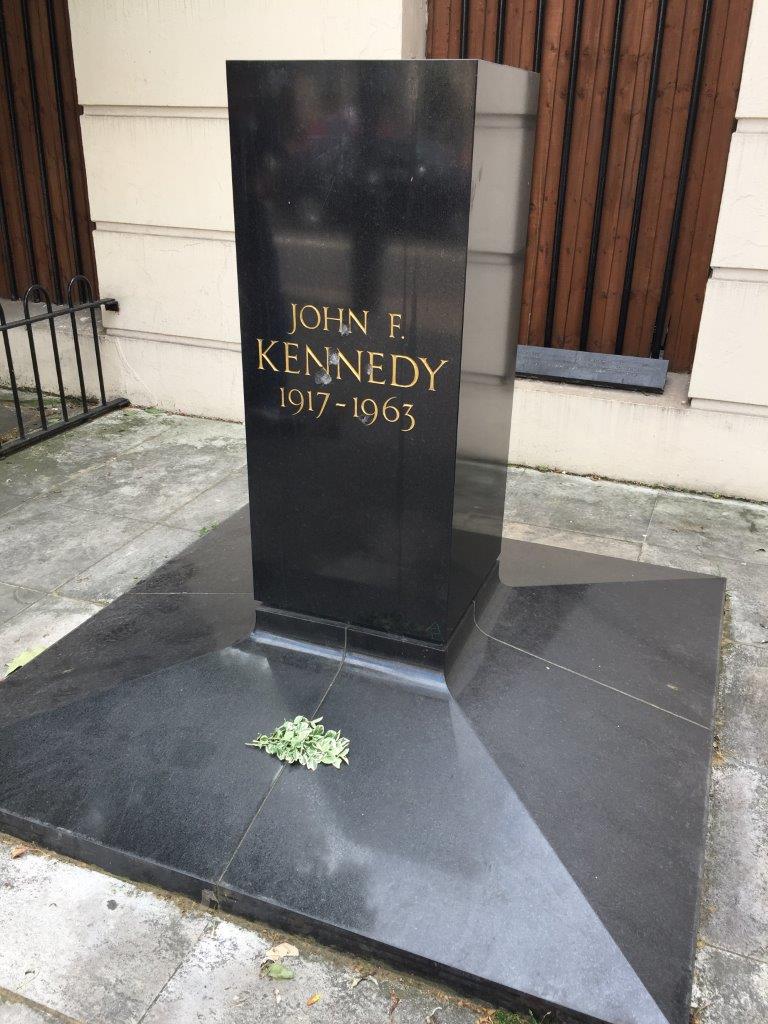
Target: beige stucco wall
[
  {"x": 151, "y": 80},
  {"x": 730, "y": 370}
]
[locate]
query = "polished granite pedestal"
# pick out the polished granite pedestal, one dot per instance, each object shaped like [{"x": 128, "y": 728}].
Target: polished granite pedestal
[{"x": 530, "y": 829}]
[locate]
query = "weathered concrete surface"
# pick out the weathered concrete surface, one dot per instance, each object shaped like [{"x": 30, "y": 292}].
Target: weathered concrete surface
[
  {"x": 147, "y": 484},
  {"x": 86, "y": 514}
]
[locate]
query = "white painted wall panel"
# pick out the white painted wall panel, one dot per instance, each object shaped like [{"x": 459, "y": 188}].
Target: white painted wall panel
[
  {"x": 171, "y": 171},
  {"x": 753, "y": 93},
  {"x": 742, "y": 228},
  {"x": 731, "y": 362},
  {"x": 182, "y": 287},
  {"x": 172, "y": 52}
]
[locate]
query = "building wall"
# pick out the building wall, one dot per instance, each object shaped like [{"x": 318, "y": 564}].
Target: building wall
[
  {"x": 731, "y": 367},
  {"x": 151, "y": 81}
]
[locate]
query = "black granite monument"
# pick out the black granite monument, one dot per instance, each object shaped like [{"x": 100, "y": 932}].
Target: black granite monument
[
  {"x": 524, "y": 811},
  {"x": 381, "y": 211}
]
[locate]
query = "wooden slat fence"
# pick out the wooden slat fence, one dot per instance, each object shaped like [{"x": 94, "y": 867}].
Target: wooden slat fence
[
  {"x": 45, "y": 229},
  {"x": 602, "y": 231}
]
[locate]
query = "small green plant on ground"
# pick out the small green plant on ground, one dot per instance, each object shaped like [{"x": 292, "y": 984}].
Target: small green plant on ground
[{"x": 307, "y": 742}]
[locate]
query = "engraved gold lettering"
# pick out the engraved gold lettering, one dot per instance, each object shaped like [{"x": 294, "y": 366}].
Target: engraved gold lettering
[
  {"x": 326, "y": 317},
  {"x": 262, "y": 354},
  {"x": 309, "y": 354},
  {"x": 414, "y": 368},
  {"x": 290, "y": 348},
  {"x": 372, "y": 366},
  {"x": 356, "y": 371},
  {"x": 392, "y": 325},
  {"x": 364, "y": 325},
  {"x": 432, "y": 372},
  {"x": 303, "y": 322},
  {"x": 293, "y": 318}
]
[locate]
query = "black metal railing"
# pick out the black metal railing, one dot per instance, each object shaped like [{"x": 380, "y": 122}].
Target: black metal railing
[{"x": 74, "y": 409}]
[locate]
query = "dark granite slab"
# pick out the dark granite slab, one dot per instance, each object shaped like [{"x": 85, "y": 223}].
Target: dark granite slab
[
  {"x": 601, "y": 369},
  {"x": 537, "y": 820},
  {"x": 639, "y": 638},
  {"x": 534, "y": 835}
]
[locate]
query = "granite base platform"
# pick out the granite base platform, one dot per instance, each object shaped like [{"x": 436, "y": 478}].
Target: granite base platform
[{"x": 532, "y": 832}]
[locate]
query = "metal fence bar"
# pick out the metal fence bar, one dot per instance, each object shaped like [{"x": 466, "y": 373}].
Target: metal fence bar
[
  {"x": 563, "y": 183},
  {"x": 539, "y": 37},
  {"x": 85, "y": 284},
  {"x": 660, "y": 325},
  {"x": 110, "y": 304},
  {"x": 48, "y": 429},
  {"x": 642, "y": 170},
  {"x": 76, "y": 342},
  {"x": 464, "y": 30},
  {"x": 12, "y": 374},
  {"x": 36, "y": 372},
  {"x": 501, "y": 24},
  {"x": 54, "y": 343},
  {"x": 605, "y": 146}
]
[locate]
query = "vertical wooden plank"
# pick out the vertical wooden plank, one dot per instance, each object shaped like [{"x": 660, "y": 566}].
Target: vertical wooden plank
[
  {"x": 632, "y": 89},
  {"x": 19, "y": 266},
  {"x": 558, "y": 30},
  {"x": 675, "y": 77},
  {"x": 585, "y": 150},
  {"x": 53, "y": 166},
  {"x": 41, "y": 268},
  {"x": 86, "y": 263}
]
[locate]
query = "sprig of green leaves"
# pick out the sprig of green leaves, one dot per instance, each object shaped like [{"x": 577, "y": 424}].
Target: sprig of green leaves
[{"x": 307, "y": 742}]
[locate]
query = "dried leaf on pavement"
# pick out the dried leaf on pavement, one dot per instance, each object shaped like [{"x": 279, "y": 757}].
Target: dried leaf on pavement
[
  {"x": 280, "y": 952},
  {"x": 315, "y": 998},
  {"x": 23, "y": 659},
  {"x": 394, "y": 999},
  {"x": 19, "y": 851}
]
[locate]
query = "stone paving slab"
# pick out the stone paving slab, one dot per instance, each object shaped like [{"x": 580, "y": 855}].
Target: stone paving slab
[
  {"x": 730, "y": 990},
  {"x": 85, "y": 944},
  {"x": 41, "y": 624},
  {"x": 735, "y": 910},
  {"x": 15, "y": 599},
  {"x": 214, "y": 505},
  {"x": 45, "y": 541},
  {"x": 579, "y": 504},
  {"x": 710, "y": 528},
  {"x": 744, "y": 695},
  {"x": 119, "y": 571},
  {"x": 14, "y": 1012}
]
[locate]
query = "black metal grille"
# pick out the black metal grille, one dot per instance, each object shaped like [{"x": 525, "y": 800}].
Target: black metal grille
[{"x": 73, "y": 409}]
